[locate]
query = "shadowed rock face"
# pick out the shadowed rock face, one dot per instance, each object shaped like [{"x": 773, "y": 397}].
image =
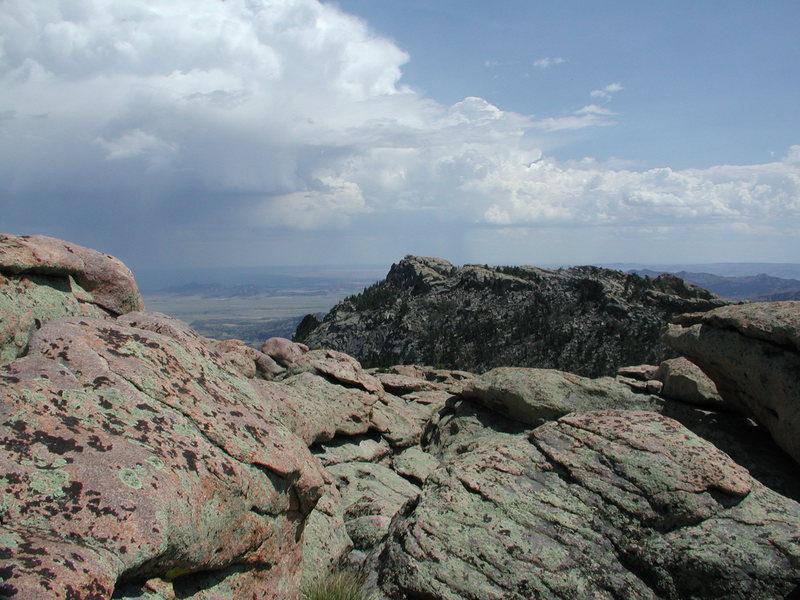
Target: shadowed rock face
[
  {"x": 585, "y": 320},
  {"x": 752, "y": 353},
  {"x": 130, "y": 454}
]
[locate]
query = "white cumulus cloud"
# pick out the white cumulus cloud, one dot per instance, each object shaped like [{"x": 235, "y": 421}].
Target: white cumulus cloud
[
  {"x": 547, "y": 62},
  {"x": 606, "y": 92},
  {"x": 271, "y": 114},
  {"x": 587, "y": 193}
]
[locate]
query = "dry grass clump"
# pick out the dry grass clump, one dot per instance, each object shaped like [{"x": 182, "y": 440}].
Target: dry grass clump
[{"x": 337, "y": 585}]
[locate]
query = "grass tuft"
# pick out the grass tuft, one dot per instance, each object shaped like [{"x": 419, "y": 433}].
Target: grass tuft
[{"x": 339, "y": 585}]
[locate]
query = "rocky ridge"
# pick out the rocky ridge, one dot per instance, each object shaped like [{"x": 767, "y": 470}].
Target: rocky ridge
[
  {"x": 585, "y": 320},
  {"x": 141, "y": 460}
]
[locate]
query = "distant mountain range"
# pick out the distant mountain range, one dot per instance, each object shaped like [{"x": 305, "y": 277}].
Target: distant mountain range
[
  {"x": 756, "y": 288},
  {"x": 783, "y": 270}
]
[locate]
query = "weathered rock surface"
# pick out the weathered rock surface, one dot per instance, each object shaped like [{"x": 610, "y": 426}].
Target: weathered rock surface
[
  {"x": 639, "y": 372},
  {"x": 249, "y": 361},
  {"x": 414, "y": 464},
  {"x": 585, "y": 320},
  {"x": 685, "y": 381},
  {"x": 465, "y": 425},
  {"x": 42, "y": 279},
  {"x": 139, "y": 460},
  {"x": 338, "y": 367},
  {"x": 283, "y": 351},
  {"x": 371, "y": 495},
  {"x": 614, "y": 504},
  {"x": 130, "y": 454},
  {"x": 26, "y": 302},
  {"x": 747, "y": 443},
  {"x": 404, "y": 384},
  {"x": 326, "y": 543},
  {"x": 535, "y": 396},
  {"x": 109, "y": 282},
  {"x": 316, "y": 409},
  {"x": 402, "y": 420},
  {"x": 359, "y": 448},
  {"x": 752, "y": 353},
  {"x": 405, "y": 379}
]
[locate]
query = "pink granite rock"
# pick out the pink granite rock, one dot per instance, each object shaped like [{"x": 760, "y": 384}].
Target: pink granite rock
[
  {"x": 132, "y": 453},
  {"x": 316, "y": 409},
  {"x": 249, "y": 361},
  {"x": 283, "y": 351},
  {"x": 338, "y": 366},
  {"x": 109, "y": 282}
]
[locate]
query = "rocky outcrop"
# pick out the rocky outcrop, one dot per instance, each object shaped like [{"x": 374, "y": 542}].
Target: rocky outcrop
[
  {"x": 249, "y": 361},
  {"x": 109, "y": 282},
  {"x": 535, "y": 396},
  {"x": 42, "y": 278},
  {"x": 141, "y": 460},
  {"x": 752, "y": 353},
  {"x": 614, "y": 504},
  {"x": 131, "y": 452},
  {"x": 584, "y": 320}
]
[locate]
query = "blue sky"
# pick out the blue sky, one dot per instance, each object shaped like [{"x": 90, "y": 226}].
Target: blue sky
[
  {"x": 704, "y": 83},
  {"x": 259, "y": 132}
]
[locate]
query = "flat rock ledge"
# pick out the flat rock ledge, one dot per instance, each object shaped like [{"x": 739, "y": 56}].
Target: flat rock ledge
[{"x": 535, "y": 396}]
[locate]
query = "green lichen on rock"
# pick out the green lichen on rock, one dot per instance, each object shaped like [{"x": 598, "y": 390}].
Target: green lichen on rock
[
  {"x": 609, "y": 504},
  {"x": 28, "y": 302},
  {"x": 147, "y": 464},
  {"x": 132, "y": 301}
]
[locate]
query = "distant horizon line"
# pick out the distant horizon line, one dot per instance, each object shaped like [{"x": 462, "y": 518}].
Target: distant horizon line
[
  {"x": 331, "y": 266},
  {"x": 153, "y": 279}
]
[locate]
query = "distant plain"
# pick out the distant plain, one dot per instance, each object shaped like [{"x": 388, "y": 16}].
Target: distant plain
[{"x": 252, "y": 304}]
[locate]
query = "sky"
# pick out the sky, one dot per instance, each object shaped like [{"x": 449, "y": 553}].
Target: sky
[{"x": 216, "y": 133}]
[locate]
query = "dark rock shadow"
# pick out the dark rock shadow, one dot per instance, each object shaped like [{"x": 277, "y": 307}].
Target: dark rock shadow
[{"x": 747, "y": 443}]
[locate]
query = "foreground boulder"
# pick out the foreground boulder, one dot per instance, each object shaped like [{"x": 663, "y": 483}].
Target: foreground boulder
[
  {"x": 535, "y": 396},
  {"x": 685, "y": 381},
  {"x": 752, "y": 353},
  {"x": 42, "y": 278},
  {"x": 614, "y": 504},
  {"x": 107, "y": 279},
  {"x": 131, "y": 451}
]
